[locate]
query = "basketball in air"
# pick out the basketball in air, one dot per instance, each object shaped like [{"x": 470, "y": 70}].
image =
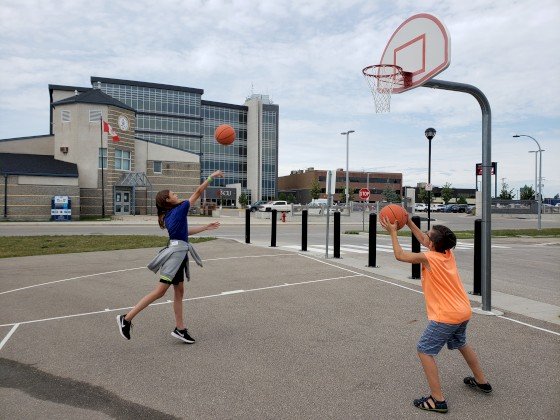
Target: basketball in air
[
  {"x": 224, "y": 134},
  {"x": 394, "y": 213}
]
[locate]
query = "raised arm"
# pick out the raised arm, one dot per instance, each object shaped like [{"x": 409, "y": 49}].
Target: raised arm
[
  {"x": 196, "y": 195},
  {"x": 400, "y": 254},
  {"x": 421, "y": 236}
]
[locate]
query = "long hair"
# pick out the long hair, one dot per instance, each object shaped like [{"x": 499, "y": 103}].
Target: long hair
[
  {"x": 443, "y": 238},
  {"x": 163, "y": 206}
]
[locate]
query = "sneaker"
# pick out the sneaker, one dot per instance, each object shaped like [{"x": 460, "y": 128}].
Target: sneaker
[
  {"x": 183, "y": 335},
  {"x": 124, "y": 326}
]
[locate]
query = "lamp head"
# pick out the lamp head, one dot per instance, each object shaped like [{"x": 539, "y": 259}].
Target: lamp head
[
  {"x": 516, "y": 135},
  {"x": 430, "y": 133}
]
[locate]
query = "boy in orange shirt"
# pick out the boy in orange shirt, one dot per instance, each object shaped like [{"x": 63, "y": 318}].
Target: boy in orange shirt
[{"x": 447, "y": 305}]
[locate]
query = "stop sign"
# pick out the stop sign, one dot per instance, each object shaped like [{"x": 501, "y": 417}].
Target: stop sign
[{"x": 364, "y": 194}]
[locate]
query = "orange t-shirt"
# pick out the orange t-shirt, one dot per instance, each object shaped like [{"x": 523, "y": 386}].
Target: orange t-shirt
[{"x": 446, "y": 299}]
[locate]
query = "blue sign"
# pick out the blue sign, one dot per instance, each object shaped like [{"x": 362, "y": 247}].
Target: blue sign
[{"x": 61, "y": 208}]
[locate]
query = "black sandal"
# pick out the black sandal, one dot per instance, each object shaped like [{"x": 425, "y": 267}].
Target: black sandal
[
  {"x": 470, "y": 381},
  {"x": 431, "y": 404}
]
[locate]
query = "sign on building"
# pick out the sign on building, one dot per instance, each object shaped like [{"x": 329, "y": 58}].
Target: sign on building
[{"x": 61, "y": 208}]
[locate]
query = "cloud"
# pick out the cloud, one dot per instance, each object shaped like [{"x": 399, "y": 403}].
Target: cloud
[{"x": 308, "y": 57}]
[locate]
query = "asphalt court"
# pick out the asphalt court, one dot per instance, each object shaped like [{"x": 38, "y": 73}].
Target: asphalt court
[{"x": 279, "y": 335}]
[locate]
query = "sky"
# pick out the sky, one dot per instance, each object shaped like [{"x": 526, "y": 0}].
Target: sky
[{"x": 308, "y": 56}]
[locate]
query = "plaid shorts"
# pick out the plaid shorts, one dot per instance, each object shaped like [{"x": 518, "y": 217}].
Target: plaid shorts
[{"x": 437, "y": 334}]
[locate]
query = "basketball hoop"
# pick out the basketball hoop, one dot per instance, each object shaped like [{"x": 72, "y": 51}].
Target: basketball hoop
[{"x": 382, "y": 79}]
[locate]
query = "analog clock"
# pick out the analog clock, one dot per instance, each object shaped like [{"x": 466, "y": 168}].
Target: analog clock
[{"x": 123, "y": 123}]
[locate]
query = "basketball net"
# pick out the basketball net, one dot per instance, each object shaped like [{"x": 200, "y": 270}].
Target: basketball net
[{"x": 382, "y": 79}]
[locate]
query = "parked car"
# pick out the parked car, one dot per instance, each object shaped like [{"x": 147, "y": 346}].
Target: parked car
[
  {"x": 471, "y": 209},
  {"x": 275, "y": 205},
  {"x": 420, "y": 207},
  {"x": 255, "y": 206},
  {"x": 437, "y": 207},
  {"x": 456, "y": 208}
]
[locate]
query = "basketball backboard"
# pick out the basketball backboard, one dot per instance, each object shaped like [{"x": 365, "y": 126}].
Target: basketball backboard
[{"x": 421, "y": 46}]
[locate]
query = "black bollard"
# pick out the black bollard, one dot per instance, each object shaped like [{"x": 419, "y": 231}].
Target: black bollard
[
  {"x": 247, "y": 226},
  {"x": 336, "y": 234},
  {"x": 304, "y": 230},
  {"x": 372, "y": 242},
  {"x": 477, "y": 272},
  {"x": 416, "y": 248},
  {"x": 273, "y": 235}
]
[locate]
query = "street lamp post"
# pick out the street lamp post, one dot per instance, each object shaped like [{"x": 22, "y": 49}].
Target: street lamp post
[
  {"x": 536, "y": 161},
  {"x": 430, "y": 133},
  {"x": 540, "y": 178},
  {"x": 347, "y": 134}
]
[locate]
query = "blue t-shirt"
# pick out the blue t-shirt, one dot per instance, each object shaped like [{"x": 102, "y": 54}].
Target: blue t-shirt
[{"x": 176, "y": 221}]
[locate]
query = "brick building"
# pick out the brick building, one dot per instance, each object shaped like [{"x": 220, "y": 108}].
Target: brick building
[{"x": 299, "y": 183}]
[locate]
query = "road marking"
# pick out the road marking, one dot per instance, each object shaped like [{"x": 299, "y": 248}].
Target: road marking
[
  {"x": 71, "y": 278},
  {"x": 528, "y": 325},
  {"x": 364, "y": 249},
  {"x": 419, "y": 291},
  {"x": 5, "y": 340},
  {"x": 131, "y": 269},
  {"x": 34, "y": 321},
  {"x": 232, "y": 292}
]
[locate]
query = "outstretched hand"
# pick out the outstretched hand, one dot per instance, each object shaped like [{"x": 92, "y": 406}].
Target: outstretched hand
[
  {"x": 217, "y": 174},
  {"x": 213, "y": 225},
  {"x": 387, "y": 225}
]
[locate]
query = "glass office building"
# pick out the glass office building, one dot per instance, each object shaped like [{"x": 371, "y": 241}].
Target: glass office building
[{"x": 177, "y": 116}]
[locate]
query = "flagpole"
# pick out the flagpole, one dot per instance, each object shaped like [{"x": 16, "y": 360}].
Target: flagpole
[{"x": 102, "y": 180}]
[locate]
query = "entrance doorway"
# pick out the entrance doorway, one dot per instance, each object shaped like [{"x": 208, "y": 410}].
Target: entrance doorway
[{"x": 122, "y": 202}]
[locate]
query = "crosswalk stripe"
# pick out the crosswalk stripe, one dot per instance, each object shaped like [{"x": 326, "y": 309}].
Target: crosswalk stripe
[{"x": 364, "y": 249}]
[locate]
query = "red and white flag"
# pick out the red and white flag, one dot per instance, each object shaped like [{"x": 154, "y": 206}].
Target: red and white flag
[{"x": 108, "y": 129}]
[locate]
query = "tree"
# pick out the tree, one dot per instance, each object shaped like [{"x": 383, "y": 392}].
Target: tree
[
  {"x": 342, "y": 197},
  {"x": 557, "y": 196},
  {"x": 423, "y": 196},
  {"x": 315, "y": 191},
  {"x": 290, "y": 198},
  {"x": 446, "y": 192},
  {"x": 390, "y": 195},
  {"x": 243, "y": 199},
  {"x": 282, "y": 196},
  {"x": 506, "y": 194},
  {"x": 461, "y": 200},
  {"x": 526, "y": 193}
]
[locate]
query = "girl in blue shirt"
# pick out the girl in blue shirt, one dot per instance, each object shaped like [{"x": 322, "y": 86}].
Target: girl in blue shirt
[{"x": 172, "y": 215}]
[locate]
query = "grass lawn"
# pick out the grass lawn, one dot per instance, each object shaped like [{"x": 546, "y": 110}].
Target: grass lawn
[
  {"x": 22, "y": 246},
  {"x": 504, "y": 233}
]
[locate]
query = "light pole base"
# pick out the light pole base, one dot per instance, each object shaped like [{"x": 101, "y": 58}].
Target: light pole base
[{"x": 481, "y": 311}]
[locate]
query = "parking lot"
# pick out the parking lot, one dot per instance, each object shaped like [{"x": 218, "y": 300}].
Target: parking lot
[{"x": 279, "y": 335}]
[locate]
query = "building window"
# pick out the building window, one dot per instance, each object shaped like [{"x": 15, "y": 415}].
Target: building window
[
  {"x": 157, "y": 167},
  {"x": 122, "y": 160},
  {"x": 94, "y": 116},
  {"x": 102, "y": 158},
  {"x": 65, "y": 116}
]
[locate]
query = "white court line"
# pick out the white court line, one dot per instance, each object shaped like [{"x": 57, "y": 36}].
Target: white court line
[
  {"x": 127, "y": 269},
  {"x": 355, "y": 274},
  {"x": 5, "y": 340},
  {"x": 71, "y": 278},
  {"x": 418, "y": 291},
  {"x": 528, "y": 325},
  {"x": 222, "y": 294}
]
